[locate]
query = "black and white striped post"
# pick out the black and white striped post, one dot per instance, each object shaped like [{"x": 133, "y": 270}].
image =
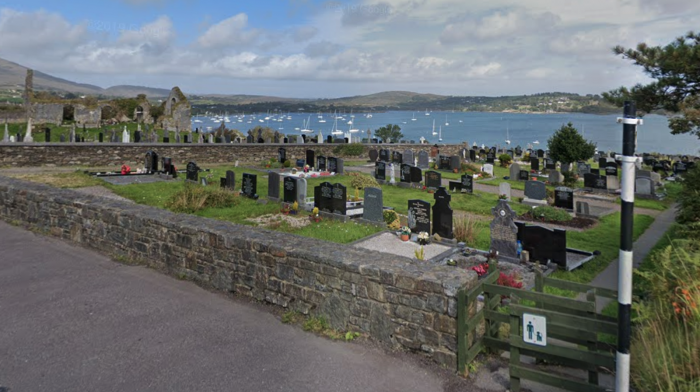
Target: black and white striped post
[{"x": 624, "y": 284}]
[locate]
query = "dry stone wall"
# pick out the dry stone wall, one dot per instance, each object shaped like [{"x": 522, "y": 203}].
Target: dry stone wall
[
  {"x": 400, "y": 302},
  {"x": 111, "y": 154}
]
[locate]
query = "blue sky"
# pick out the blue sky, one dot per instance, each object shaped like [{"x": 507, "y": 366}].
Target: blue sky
[{"x": 306, "y": 48}]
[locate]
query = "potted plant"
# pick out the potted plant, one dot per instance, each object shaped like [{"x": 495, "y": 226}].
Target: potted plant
[
  {"x": 295, "y": 208},
  {"x": 285, "y": 209},
  {"x": 423, "y": 238},
  {"x": 314, "y": 217},
  {"x": 405, "y": 233}
]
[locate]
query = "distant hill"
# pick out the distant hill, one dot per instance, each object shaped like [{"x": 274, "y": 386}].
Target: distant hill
[
  {"x": 386, "y": 98},
  {"x": 12, "y": 77}
]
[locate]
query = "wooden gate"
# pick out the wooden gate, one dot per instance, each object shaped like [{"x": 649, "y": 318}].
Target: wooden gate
[{"x": 573, "y": 329}]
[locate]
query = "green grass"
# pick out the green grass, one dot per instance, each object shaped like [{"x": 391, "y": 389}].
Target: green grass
[
  {"x": 672, "y": 190},
  {"x": 604, "y": 238},
  {"x": 640, "y": 286}
]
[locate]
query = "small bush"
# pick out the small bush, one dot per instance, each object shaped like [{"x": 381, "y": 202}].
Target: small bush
[
  {"x": 549, "y": 214},
  {"x": 469, "y": 168},
  {"x": 466, "y": 229},
  {"x": 390, "y": 216},
  {"x": 505, "y": 160},
  {"x": 689, "y": 197},
  {"x": 570, "y": 179},
  {"x": 287, "y": 163},
  {"x": 352, "y": 150},
  {"x": 194, "y": 197},
  {"x": 362, "y": 181}
]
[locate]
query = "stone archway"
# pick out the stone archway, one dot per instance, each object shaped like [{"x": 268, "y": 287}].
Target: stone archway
[
  {"x": 68, "y": 113},
  {"x": 139, "y": 114}
]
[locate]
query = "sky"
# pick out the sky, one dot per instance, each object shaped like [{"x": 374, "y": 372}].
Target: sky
[{"x": 323, "y": 49}]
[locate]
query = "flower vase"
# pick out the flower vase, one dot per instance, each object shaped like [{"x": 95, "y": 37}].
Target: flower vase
[{"x": 404, "y": 237}]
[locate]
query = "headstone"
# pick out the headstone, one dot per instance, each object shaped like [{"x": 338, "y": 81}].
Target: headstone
[
  {"x": 249, "y": 185},
  {"x": 396, "y": 157},
  {"x": 281, "y": 154},
  {"x": 565, "y": 167},
  {"x": 380, "y": 170},
  {"x": 290, "y": 189},
  {"x": 535, "y": 190},
  {"x": 250, "y": 139},
  {"x": 564, "y": 198},
  {"x": 442, "y": 214},
  {"x": 540, "y": 153},
  {"x": 612, "y": 183},
  {"x": 504, "y": 232},
  {"x": 137, "y": 137},
  {"x": 582, "y": 208},
  {"x": 101, "y": 137},
  {"x": 680, "y": 167},
  {"x": 550, "y": 164},
  {"x": 321, "y": 162},
  {"x": 504, "y": 190},
  {"x": 644, "y": 173},
  {"x": 6, "y": 137},
  {"x": 373, "y": 155},
  {"x": 602, "y": 162},
  {"x": 611, "y": 169},
  {"x": 535, "y": 164},
  {"x": 230, "y": 179},
  {"x": 524, "y": 175},
  {"x": 514, "y": 171},
  {"x": 339, "y": 165},
  {"x": 151, "y": 162},
  {"x": 555, "y": 177},
  {"x": 543, "y": 244},
  {"x": 384, "y": 155},
  {"x": 419, "y": 216},
  {"x": 467, "y": 183},
  {"x": 407, "y": 157},
  {"x": 273, "y": 186},
  {"x": 167, "y": 165},
  {"x": 332, "y": 164},
  {"x": 472, "y": 156},
  {"x": 583, "y": 168},
  {"x": 416, "y": 174},
  {"x": 488, "y": 169},
  {"x": 311, "y": 158},
  {"x": 227, "y": 139},
  {"x": 490, "y": 157},
  {"x": 192, "y": 172},
  {"x": 644, "y": 186},
  {"x": 423, "y": 160},
  {"x": 405, "y": 174},
  {"x": 455, "y": 163},
  {"x": 340, "y": 197},
  {"x": 433, "y": 179},
  {"x": 373, "y": 205},
  {"x": 47, "y": 135},
  {"x": 392, "y": 174}
]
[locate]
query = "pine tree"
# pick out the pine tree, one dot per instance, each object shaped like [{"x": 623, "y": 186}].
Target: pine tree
[{"x": 568, "y": 146}]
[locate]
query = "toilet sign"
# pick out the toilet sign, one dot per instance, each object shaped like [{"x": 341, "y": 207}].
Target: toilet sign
[{"x": 534, "y": 329}]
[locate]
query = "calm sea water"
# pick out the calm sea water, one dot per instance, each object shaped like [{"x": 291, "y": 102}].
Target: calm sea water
[{"x": 478, "y": 127}]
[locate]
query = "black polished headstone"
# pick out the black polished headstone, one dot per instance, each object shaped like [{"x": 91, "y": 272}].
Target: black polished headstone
[
  {"x": 151, "y": 162},
  {"x": 321, "y": 162},
  {"x": 340, "y": 197},
  {"x": 332, "y": 164},
  {"x": 273, "y": 185},
  {"x": 442, "y": 214},
  {"x": 543, "y": 244},
  {"x": 433, "y": 179},
  {"x": 290, "y": 189},
  {"x": 380, "y": 170},
  {"x": 192, "y": 172},
  {"x": 611, "y": 169},
  {"x": 384, "y": 155},
  {"x": 467, "y": 183},
  {"x": 524, "y": 175},
  {"x": 564, "y": 198},
  {"x": 323, "y": 197},
  {"x": 373, "y": 155},
  {"x": 249, "y": 185},
  {"x": 419, "y": 216},
  {"x": 405, "y": 173},
  {"x": 416, "y": 174},
  {"x": 535, "y": 164}
]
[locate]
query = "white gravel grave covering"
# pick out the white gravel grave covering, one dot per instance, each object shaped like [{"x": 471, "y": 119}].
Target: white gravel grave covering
[{"x": 392, "y": 244}]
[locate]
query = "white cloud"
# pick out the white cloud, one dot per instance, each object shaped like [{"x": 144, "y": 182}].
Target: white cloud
[
  {"x": 321, "y": 49},
  {"x": 27, "y": 32},
  {"x": 499, "y": 24},
  {"x": 304, "y": 33},
  {"x": 229, "y": 32}
]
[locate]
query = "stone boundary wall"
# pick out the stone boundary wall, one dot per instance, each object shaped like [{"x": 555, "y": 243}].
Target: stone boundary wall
[
  {"x": 115, "y": 154},
  {"x": 400, "y": 302}
]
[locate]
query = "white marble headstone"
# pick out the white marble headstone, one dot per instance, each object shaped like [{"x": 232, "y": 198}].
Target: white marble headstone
[{"x": 488, "y": 168}]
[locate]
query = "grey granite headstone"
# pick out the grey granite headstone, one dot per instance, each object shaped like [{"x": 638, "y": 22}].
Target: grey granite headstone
[
  {"x": 555, "y": 177},
  {"x": 504, "y": 189},
  {"x": 192, "y": 172},
  {"x": 643, "y": 173},
  {"x": 407, "y": 157},
  {"x": 582, "y": 208},
  {"x": 373, "y": 205},
  {"x": 373, "y": 155},
  {"x": 644, "y": 186},
  {"x": 455, "y": 162},
  {"x": 301, "y": 190},
  {"x": 423, "y": 160},
  {"x": 514, "y": 171},
  {"x": 536, "y": 190},
  {"x": 583, "y": 168},
  {"x": 230, "y": 179},
  {"x": 488, "y": 169},
  {"x": 504, "y": 232},
  {"x": 612, "y": 183},
  {"x": 565, "y": 167},
  {"x": 273, "y": 186}
]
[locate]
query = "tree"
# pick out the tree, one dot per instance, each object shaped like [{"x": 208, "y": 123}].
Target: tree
[
  {"x": 390, "y": 132},
  {"x": 677, "y": 85},
  {"x": 568, "y": 146}
]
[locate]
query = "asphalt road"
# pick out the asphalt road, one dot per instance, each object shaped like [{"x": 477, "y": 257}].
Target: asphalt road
[{"x": 73, "y": 320}]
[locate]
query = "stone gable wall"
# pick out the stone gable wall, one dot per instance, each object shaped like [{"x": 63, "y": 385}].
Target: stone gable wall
[
  {"x": 399, "y": 302},
  {"x": 111, "y": 154}
]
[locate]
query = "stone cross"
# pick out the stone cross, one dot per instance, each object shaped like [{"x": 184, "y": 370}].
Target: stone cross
[
  {"x": 28, "y": 136},
  {"x": 6, "y": 138}
]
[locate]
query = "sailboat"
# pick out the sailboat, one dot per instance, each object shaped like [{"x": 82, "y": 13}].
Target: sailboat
[
  {"x": 427, "y": 113},
  {"x": 507, "y": 134},
  {"x": 307, "y": 126},
  {"x": 335, "y": 130},
  {"x": 440, "y": 135},
  {"x": 434, "y": 133},
  {"x": 446, "y": 123},
  {"x": 536, "y": 142},
  {"x": 414, "y": 116}
]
